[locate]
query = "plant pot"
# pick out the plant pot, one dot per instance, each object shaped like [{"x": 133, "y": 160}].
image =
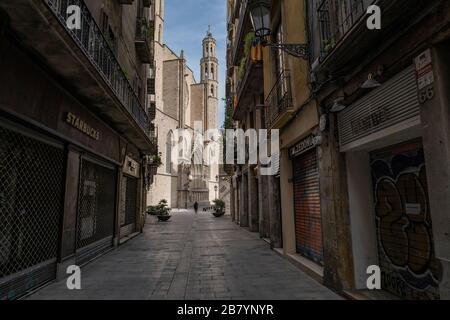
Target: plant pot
[
  {"x": 218, "y": 214},
  {"x": 164, "y": 218},
  {"x": 153, "y": 170}
]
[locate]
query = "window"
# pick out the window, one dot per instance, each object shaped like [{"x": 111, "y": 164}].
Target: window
[
  {"x": 169, "y": 143},
  {"x": 108, "y": 32},
  {"x": 279, "y": 54},
  {"x": 212, "y": 90}
]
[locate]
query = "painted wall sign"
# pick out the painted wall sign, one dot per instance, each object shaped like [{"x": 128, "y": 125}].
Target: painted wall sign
[
  {"x": 425, "y": 76},
  {"x": 305, "y": 145},
  {"x": 373, "y": 119},
  {"x": 131, "y": 167},
  {"x": 82, "y": 126}
]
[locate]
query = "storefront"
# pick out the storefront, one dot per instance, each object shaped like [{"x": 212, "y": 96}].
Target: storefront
[
  {"x": 96, "y": 209},
  {"x": 59, "y": 169},
  {"x": 308, "y": 220},
  {"x": 388, "y": 189},
  {"x": 31, "y": 205}
]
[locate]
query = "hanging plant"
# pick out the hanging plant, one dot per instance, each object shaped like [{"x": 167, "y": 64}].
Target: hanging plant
[{"x": 155, "y": 160}]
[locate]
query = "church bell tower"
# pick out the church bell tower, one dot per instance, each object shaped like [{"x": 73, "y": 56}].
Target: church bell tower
[{"x": 209, "y": 65}]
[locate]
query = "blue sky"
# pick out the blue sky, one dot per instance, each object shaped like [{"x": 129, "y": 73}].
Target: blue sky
[{"x": 186, "y": 23}]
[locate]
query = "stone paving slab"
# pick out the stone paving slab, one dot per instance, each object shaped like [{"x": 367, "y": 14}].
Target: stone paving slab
[{"x": 194, "y": 256}]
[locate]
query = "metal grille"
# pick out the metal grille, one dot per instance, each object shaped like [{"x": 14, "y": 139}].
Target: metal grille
[
  {"x": 31, "y": 191},
  {"x": 95, "y": 219},
  {"x": 279, "y": 99},
  {"x": 130, "y": 201}
]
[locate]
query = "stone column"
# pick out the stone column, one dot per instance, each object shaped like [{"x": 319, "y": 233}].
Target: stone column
[
  {"x": 243, "y": 206},
  {"x": 69, "y": 232},
  {"x": 253, "y": 201},
  {"x": 435, "y": 116},
  {"x": 274, "y": 206},
  {"x": 262, "y": 206},
  {"x": 232, "y": 199},
  {"x": 338, "y": 256}
]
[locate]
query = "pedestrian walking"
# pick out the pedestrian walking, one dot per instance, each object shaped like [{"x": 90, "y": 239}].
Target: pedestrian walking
[{"x": 196, "y": 207}]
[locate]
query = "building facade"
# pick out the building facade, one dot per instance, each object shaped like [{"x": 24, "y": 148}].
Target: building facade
[
  {"x": 75, "y": 128},
  {"x": 190, "y": 105},
  {"x": 364, "y": 141},
  {"x": 380, "y": 101}
]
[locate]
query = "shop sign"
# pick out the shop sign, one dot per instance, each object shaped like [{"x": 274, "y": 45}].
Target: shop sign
[
  {"x": 425, "y": 76},
  {"x": 373, "y": 119},
  {"x": 305, "y": 145},
  {"x": 131, "y": 167},
  {"x": 82, "y": 126}
]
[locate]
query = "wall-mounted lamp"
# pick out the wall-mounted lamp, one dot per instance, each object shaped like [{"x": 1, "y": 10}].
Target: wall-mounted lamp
[
  {"x": 260, "y": 18},
  {"x": 338, "y": 106},
  {"x": 370, "y": 83}
]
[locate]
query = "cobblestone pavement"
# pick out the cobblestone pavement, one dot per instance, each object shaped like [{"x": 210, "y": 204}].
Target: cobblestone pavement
[{"x": 192, "y": 257}]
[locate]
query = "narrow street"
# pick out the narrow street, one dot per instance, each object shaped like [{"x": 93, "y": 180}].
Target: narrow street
[{"x": 192, "y": 257}]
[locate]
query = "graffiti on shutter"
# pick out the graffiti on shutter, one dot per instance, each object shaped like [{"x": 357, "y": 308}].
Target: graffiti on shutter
[{"x": 404, "y": 229}]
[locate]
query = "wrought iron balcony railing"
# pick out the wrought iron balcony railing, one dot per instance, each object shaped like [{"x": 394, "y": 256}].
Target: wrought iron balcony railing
[
  {"x": 279, "y": 99},
  {"x": 94, "y": 45},
  {"x": 336, "y": 19},
  {"x": 145, "y": 32},
  {"x": 237, "y": 41}
]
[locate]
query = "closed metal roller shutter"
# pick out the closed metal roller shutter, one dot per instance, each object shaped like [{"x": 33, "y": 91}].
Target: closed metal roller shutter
[
  {"x": 403, "y": 220},
  {"x": 393, "y": 103},
  {"x": 96, "y": 210},
  {"x": 308, "y": 221},
  {"x": 31, "y": 193}
]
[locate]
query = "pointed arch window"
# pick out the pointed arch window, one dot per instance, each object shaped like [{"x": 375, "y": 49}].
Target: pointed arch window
[{"x": 169, "y": 145}]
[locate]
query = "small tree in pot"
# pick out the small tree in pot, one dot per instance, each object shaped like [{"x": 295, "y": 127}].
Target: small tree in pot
[
  {"x": 163, "y": 211},
  {"x": 219, "y": 208}
]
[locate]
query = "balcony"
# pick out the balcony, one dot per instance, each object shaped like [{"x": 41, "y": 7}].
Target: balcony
[
  {"x": 242, "y": 29},
  {"x": 249, "y": 88},
  {"x": 344, "y": 37},
  {"x": 145, "y": 30},
  {"x": 84, "y": 60},
  {"x": 279, "y": 104},
  {"x": 337, "y": 18}
]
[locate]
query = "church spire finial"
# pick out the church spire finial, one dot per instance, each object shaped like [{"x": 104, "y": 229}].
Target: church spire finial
[{"x": 209, "y": 34}]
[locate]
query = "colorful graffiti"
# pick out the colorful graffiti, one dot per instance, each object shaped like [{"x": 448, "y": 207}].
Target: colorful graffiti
[{"x": 405, "y": 238}]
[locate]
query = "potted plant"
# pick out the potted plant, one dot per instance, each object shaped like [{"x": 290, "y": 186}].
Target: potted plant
[
  {"x": 155, "y": 162},
  {"x": 218, "y": 208},
  {"x": 163, "y": 211},
  {"x": 152, "y": 210}
]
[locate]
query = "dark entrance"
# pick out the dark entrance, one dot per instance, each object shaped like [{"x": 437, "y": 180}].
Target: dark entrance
[{"x": 96, "y": 209}]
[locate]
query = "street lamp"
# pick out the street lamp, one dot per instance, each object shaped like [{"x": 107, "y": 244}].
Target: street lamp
[
  {"x": 215, "y": 189},
  {"x": 260, "y": 18}
]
